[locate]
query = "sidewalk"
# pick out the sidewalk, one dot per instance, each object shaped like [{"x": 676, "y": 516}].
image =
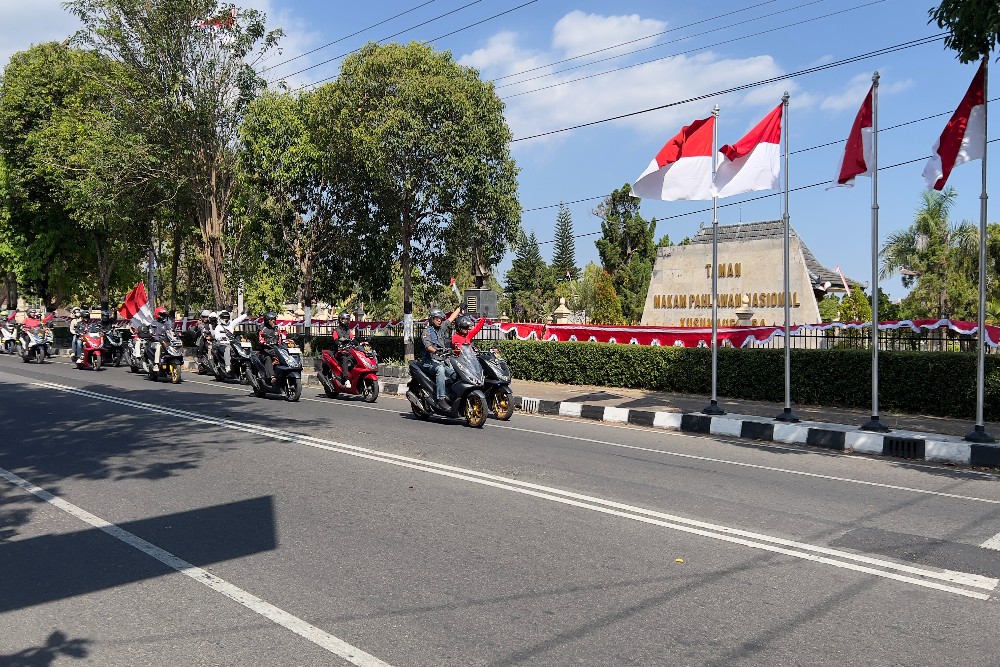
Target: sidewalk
[{"x": 919, "y": 437}]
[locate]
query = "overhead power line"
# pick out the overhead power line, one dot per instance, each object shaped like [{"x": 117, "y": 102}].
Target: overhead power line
[
  {"x": 353, "y": 34},
  {"x": 746, "y": 86}
]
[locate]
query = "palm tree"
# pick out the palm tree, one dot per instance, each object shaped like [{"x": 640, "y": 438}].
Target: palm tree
[{"x": 935, "y": 258}]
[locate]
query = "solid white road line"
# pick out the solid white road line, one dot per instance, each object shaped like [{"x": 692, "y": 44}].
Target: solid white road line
[
  {"x": 992, "y": 543},
  {"x": 653, "y": 450},
  {"x": 319, "y": 637},
  {"x": 926, "y": 577}
]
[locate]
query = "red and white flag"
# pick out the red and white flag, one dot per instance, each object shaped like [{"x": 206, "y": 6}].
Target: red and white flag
[
  {"x": 964, "y": 137},
  {"x": 858, "y": 158},
  {"x": 137, "y": 307},
  {"x": 754, "y": 162},
  {"x": 683, "y": 167}
]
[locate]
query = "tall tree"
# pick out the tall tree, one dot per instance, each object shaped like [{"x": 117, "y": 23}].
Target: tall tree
[
  {"x": 38, "y": 232},
  {"x": 973, "y": 26},
  {"x": 607, "y": 306},
  {"x": 627, "y": 250},
  {"x": 529, "y": 282},
  {"x": 564, "y": 253},
  {"x": 182, "y": 72},
  {"x": 431, "y": 150}
]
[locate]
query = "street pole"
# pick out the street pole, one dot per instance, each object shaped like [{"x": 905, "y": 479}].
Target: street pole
[
  {"x": 787, "y": 415},
  {"x": 713, "y": 408}
]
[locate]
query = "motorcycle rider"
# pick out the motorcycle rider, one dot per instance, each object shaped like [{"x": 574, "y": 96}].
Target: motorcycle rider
[
  {"x": 9, "y": 326},
  {"x": 465, "y": 331},
  {"x": 203, "y": 332},
  {"x": 158, "y": 331},
  {"x": 342, "y": 336},
  {"x": 222, "y": 335},
  {"x": 75, "y": 344},
  {"x": 269, "y": 337},
  {"x": 435, "y": 340},
  {"x": 79, "y": 326}
]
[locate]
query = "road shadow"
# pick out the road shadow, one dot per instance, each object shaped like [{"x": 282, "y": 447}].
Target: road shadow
[{"x": 57, "y": 645}]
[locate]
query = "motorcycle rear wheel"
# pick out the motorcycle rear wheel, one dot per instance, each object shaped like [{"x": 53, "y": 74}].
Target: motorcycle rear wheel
[
  {"x": 475, "y": 411},
  {"x": 369, "y": 390},
  {"x": 502, "y": 403},
  {"x": 293, "y": 389}
]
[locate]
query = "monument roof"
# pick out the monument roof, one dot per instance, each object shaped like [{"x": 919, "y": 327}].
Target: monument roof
[{"x": 772, "y": 229}]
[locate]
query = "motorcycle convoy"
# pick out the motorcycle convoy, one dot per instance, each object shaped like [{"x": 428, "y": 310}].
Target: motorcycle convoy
[{"x": 478, "y": 381}]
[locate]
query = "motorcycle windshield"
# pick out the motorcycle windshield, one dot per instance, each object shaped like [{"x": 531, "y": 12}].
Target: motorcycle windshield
[{"x": 467, "y": 365}]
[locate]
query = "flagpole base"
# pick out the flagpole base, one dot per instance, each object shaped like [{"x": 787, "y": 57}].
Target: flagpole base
[
  {"x": 787, "y": 416},
  {"x": 713, "y": 408},
  {"x": 875, "y": 425},
  {"x": 979, "y": 435}
]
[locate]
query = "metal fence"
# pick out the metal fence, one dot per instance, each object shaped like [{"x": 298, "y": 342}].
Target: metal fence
[{"x": 942, "y": 339}]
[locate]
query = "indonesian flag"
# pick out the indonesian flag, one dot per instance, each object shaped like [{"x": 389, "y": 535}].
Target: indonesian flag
[
  {"x": 754, "y": 162},
  {"x": 964, "y": 137},
  {"x": 858, "y": 158},
  {"x": 683, "y": 167},
  {"x": 136, "y": 307}
]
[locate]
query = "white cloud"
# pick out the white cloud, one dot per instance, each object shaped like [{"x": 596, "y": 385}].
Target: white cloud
[
  {"x": 578, "y": 33},
  {"x": 25, "y": 23},
  {"x": 855, "y": 90}
]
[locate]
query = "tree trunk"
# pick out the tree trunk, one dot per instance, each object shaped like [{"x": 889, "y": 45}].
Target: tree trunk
[
  {"x": 406, "y": 264},
  {"x": 174, "y": 262},
  {"x": 213, "y": 247},
  {"x": 104, "y": 268}
]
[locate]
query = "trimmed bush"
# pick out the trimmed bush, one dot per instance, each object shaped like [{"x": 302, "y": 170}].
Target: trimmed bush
[{"x": 931, "y": 383}]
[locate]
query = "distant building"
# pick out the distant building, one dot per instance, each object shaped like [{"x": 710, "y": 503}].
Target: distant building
[{"x": 751, "y": 279}]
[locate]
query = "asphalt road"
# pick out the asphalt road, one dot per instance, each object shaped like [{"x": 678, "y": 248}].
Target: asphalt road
[{"x": 150, "y": 524}]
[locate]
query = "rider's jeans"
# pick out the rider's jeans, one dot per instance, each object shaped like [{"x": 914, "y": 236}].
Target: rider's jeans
[
  {"x": 440, "y": 372},
  {"x": 77, "y": 347}
]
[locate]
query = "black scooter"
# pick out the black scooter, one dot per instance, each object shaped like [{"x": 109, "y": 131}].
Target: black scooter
[
  {"x": 171, "y": 358},
  {"x": 239, "y": 360},
  {"x": 116, "y": 343},
  {"x": 465, "y": 389},
  {"x": 287, "y": 372},
  {"x": 499, "y": 396}
]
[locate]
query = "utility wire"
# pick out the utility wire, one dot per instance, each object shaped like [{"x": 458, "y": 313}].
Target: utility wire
[
  {"x": 746, "y": 86},
  {"x": 453, "y": 32},
  {"x": 673, "y": 55},
  {"x": 396, "y": 34},
  {"x": 638, "y": 39},
  {"x": 660, "y": 45},
  {"x": 353, "y": 34}
]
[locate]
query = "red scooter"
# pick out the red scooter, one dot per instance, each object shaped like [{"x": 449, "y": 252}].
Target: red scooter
[
  {"x": 92, "y": 342},
  {"x": 363, "y": 377}
]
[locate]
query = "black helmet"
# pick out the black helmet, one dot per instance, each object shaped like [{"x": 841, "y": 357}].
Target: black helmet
[
  {"x": 85, "y": 315},
  {"x": 224, "y": 316},
  {"x": 464, "y": 323},
  {"x": 344, "y": 318},
  {"x": 269, "y": 319},
  {"x": 436, "y": 312}
]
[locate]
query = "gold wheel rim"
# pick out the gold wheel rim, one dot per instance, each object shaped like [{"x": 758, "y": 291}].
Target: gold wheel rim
[
  {"x": 473, "y": 410},
  {"x": 501, "y": 402},
  {"x": 175, "y": 373}
]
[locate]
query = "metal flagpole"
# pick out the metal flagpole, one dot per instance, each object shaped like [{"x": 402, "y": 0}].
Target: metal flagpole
[
  {"x": 713, "y": 408},
  {"x": 874, "y": 424},
  {"x": 979, "y": 433},
  {"x": 787, "y": 415}
]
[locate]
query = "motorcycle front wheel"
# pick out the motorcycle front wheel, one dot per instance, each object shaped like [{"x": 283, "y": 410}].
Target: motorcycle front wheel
[
  {"x": 175, "y": 373},
  {"x": 39, "y": 356},
  {"x": 475, "y": 411},
  {"x": 420, "y": 414},
  {"x": 98, "y": 360},
  {"x": 369, "y": 390},
  {"x": 293, "y": 389},
  {"x": 502, "y": 403}
]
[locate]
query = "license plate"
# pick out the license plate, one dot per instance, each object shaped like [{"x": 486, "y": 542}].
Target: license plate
[{"x": 245, "y": 345}]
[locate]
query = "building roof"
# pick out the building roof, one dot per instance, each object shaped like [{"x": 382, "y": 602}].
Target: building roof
[{"x": 774, "y": 229}]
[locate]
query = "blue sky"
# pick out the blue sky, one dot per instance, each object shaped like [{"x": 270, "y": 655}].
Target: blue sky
[{"x": 688, "y": 50}]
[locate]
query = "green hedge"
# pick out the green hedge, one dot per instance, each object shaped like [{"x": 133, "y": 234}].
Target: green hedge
[{"x": 932, "y": 383}]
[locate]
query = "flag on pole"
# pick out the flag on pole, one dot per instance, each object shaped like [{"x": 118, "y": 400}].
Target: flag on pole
[
  {"x": 137, "y": 307},
  {"x": 858, "y": 158},
  {"x": 964, "y": 137},
  {"x": 683, "y": 167},
  {"x": 454, "y": 288},
  {"x": 754, "y": 162}
]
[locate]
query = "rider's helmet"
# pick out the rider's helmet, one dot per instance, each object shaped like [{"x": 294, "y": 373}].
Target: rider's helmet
[
  {"x": 32, "y": 313},
  {"x": 205, "y": 314},
  {"x": 85, "y": 315},
  {"x": 270, "y": 319},
  {"x": 344, "y": 318},
  {"x": 76, "y": 311},
  {"x": 463, "y": 324},
  {"x": 160, "y": 314},
  {"x": 224, "y": 316},
  {"x": 107, "y": 317},
  {"x": 436, "y": 313}
]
